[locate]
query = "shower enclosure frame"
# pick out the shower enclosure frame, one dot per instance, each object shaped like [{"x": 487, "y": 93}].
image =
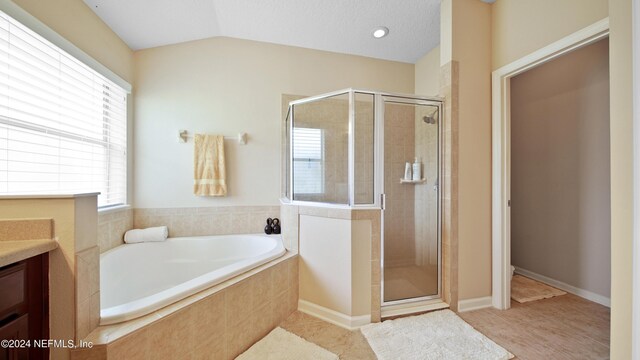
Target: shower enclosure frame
[{"x": 378, "y": 203}]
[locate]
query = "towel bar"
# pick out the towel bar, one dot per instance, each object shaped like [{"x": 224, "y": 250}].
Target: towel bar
[{"x": 183, "y": 136}]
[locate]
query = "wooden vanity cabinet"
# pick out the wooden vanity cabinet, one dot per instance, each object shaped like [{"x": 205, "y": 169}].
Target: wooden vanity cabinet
[{"x": 24, "y": 307}]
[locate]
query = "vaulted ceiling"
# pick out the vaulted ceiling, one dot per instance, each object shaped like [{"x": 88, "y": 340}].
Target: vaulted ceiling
[{"x": 343, "y": 26}]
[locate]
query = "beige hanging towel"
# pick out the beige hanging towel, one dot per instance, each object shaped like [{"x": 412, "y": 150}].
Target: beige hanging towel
[{"x": 209, "y": 177}]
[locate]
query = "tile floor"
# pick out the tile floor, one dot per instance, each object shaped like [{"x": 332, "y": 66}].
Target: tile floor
[
  {"x": 563, "y": 327},
  {"x": 406, "y": 282},
  {"x": 348, "y": 345}
]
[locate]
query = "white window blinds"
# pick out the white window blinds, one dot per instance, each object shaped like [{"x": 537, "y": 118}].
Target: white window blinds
[
  {"x": 63, "y": 126},
  {"x": 308, "y": 164}
]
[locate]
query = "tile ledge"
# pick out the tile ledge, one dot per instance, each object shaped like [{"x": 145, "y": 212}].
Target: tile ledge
[
  {"x": 113, "y": 209},
  {"x": 46, "y": 196}
]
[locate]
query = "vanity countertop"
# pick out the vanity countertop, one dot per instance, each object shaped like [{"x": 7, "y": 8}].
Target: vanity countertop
[{"x": 14, "y": 251}]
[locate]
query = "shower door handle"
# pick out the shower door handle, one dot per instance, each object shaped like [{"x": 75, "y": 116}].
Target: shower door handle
[{"x": 383, "y": 198}]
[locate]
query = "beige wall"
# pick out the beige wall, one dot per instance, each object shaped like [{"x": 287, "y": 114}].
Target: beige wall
[
  {"x": 225, "y": 86},
  {"x": 427, "y": 73},
  {"x": 560, "y": 178},
  {"x": 520, "y": 27},
  {"x": 471, "y": 48},
  {"x": 621, "y": 177},
  {"x": 76, "y": 22}
]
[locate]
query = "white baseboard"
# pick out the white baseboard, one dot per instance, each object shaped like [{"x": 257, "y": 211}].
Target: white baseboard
[
  {"x": 332, "y": 316},
  {"x": 602, "y": 300},
  {"x": 474, "y": 304}
]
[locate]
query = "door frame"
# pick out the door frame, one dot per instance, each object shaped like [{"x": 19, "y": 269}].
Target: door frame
[
  {"x": 635, "y": 319},
  {"x": 416, "y": 100},
  {"x": 501, "y": 151}
]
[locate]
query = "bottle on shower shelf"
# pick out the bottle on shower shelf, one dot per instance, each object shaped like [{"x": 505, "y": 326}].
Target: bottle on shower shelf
[
  {"x": 407, "y": 171},
  {"x": 417, "y": 169}
]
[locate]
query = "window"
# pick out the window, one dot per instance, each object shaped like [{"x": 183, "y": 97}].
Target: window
[
  {"x": 63, "y": 126},
  {"x": 308, "y": 165}
]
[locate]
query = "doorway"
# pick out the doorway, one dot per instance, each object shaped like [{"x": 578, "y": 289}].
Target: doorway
[
  {"x": 501, "y": 151},
  {"x": 560, "y": 177}
]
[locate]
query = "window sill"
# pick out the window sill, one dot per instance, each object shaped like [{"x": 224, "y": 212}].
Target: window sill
[{"x": 112, "y": 209}]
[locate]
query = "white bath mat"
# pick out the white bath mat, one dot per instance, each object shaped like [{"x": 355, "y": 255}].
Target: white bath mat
[
  {"x": 436, "y": 335},
  {"x": 280, "y": 344}
]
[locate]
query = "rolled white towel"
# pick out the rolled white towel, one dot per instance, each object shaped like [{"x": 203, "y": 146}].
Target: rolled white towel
[{"x": 158, "y": 233}]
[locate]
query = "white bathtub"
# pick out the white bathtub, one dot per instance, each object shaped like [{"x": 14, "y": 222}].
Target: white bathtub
[{"x": 137, "y": 279}]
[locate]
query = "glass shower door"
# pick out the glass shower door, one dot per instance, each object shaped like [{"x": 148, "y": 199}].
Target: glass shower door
[{"x": 411, "y": 216}]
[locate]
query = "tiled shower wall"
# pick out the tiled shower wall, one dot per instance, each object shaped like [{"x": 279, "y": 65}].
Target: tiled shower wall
[
  {"x": 219, "y": 220},
  {"x": 411, "y": 219},
  {"x": 399, "y": 220},
  {"x": 426, "y": 196}
]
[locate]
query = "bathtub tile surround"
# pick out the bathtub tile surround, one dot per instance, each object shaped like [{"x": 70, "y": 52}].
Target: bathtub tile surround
[
  {"x": 220, "y": 322},
  {"x": 174, "y": 269},
  {"x": 87, "y": 291},
  {"x": 112, "y": 224},
  {"x": 220, "y": 220}
]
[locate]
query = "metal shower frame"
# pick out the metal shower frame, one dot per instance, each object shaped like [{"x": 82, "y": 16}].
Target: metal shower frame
[{"x": 378, "y": 203}]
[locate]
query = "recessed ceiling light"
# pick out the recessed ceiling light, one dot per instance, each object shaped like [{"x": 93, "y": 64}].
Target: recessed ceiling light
[{"x": 380, "y": 32}]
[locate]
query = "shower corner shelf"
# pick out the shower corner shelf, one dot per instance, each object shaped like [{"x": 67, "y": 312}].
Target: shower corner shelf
[{"x": 421, "y": 181}]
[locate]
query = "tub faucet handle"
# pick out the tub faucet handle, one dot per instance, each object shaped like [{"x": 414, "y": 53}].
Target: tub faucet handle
[{"x": 269, "y": 228}]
